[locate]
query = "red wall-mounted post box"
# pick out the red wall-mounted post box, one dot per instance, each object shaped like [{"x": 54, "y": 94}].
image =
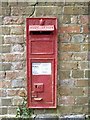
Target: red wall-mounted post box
[{"x": 41, "y": 62}]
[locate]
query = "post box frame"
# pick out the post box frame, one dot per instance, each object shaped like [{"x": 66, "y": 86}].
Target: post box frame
[{"x": 34, "y": 56}]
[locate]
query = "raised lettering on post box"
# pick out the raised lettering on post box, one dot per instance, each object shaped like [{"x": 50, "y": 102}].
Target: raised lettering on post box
[{"x": 41, "y": 35}]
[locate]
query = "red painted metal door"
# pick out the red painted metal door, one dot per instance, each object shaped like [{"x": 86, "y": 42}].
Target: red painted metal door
[{"x": 41, "y": 62}]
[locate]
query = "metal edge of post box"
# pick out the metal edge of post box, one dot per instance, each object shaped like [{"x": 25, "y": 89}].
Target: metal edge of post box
[{"x": 41, "y": 48}]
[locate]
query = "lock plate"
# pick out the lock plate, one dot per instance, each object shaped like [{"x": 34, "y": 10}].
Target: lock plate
[{"x": 38, "y": 87}]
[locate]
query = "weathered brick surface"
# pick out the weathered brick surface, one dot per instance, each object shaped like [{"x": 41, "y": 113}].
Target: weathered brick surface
[
  {"x": 19, "y": 83},
  {"x": 74, "y": 19},
  {"x": 76, "y": 10},
  {"x": 73, "y": 54},
  {"x": 3, "y": 110},
  {"x": 78, "y": 74},
  {"x": 17, "y": 48},
  {"x": 87, "y": 73},
  {"x": 67, "y": 100},
  {"x": 6, "y": 84},
  {"x": 67, "y": 82},
  {"x": 64, "y": 74},
  {"x": 66, "y": 19},
  {"x": 82, "y": 100},
  {"x": 13, "y": 39},
  {"x": 70, "y": 29},
  {"x": 78, "y": 38},
  {"x": 13, "y": 57},
  {"x": 5, "y": 30},
  {"x": 85, "y": 29},
  {"x": 65, "y": 38},
  {"x": 16, "y": 30},
  {"x": 6, "y": 102},
  {"x": 84, "y": 19},
  {"x": 79, "y": 56},
  {"x": 70, "y": 47},
  {"x": 13, "y": 20},
  {"x": 68, "y": 65},
  {"x": 45, "y": 11},
  {"x": 65, "y": 56},
  {"x": 20, "y": 10},
  {"x": 5, "y": 11},
  {"x": 5, "y": 48}
]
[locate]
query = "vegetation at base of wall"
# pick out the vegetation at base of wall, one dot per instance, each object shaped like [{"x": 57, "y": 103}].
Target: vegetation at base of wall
[
  {"x": 88, "y": 118},
  {"x": 23, "y": 111}
]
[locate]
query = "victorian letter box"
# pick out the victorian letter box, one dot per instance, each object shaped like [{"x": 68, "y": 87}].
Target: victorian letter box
[{"x": 41, "y": 62}]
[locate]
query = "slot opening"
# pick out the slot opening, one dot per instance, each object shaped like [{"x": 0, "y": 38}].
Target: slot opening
[{"x": 41, "y": 32}]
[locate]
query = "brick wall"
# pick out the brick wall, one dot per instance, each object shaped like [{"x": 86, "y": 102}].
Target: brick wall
[{"x": 73, "y": 55}]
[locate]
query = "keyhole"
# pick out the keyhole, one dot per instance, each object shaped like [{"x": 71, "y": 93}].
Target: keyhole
[{"x": 36, "y": 86}]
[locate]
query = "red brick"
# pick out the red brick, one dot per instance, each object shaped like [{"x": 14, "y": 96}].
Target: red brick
[
  {"x": 82, "y": 100},
  {"x": 77, "y": 109},
  {"x": 0, "y": 84},
  {"x": 11, "y": 57},
  {"x": 13, "y": 20},
  {"x": 82, "y": 83},
  {"x": 64, "y": 56},
  {"x": 65, "y": 38},
  {"x": 66, "y": 19},
  {"x": 12, "y": 92},
  {"x": 83, "y": 65},
  {"x": 67, "y": 100},
  {"x": 10, "y": 75},
  {"x": 88, "y": 56},
  {"x": 70, "y": 29},
  {"x": 84, "y": 19},
  {"x": 78, "y": 91},
  {"x": 6, "y": 84},
  {"x": 16, "y": 92},
  {"x": 76, "y": 10},
  {"x": 86, "y": 29},
  {"x": 3, "y": 93},
  {"x": 65, "y": 110},
  {"x": 5, "y": 11},
  {"x": 78, "y": 73},
  {"x": 17, "y": 30},
  {"x": 2, "y": 75},
  {"x": 68, "y": 65},
  {"x": 79, "y": 56},
  {"x": 86, "y": 91},
  {"x": 65, "y": 91},
  {"x": 70, "y": 47},
  {"x": 21, "y": 10},
  {"x": 5, "y": 30},
  {"x": 12, "y": 39},
  {"x": 64, "y": 74}
]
